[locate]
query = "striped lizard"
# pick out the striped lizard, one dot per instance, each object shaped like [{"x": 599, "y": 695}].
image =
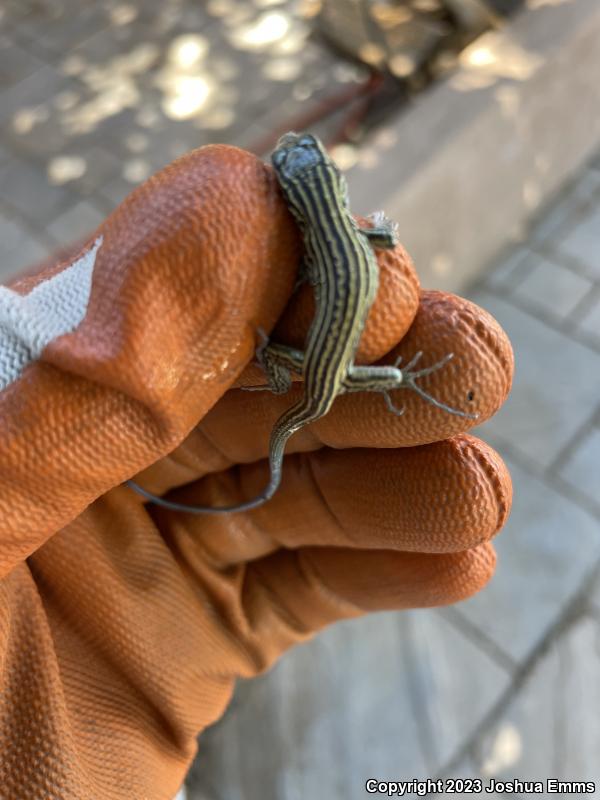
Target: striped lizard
[{"x": 340, "y": 265}]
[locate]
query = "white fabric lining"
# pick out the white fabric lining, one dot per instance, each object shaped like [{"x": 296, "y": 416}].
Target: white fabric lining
[{"x": 54, "y": 307}]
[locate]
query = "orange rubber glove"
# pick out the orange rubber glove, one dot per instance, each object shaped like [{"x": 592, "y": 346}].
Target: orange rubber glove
[{"x": 123, "y": 626}]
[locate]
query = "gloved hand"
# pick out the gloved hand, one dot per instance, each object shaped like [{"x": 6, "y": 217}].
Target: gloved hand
[{"x": 124, "y": 626}]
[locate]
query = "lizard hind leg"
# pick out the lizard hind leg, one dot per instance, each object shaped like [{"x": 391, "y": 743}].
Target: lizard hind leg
[{"x": 409, "y": 381}]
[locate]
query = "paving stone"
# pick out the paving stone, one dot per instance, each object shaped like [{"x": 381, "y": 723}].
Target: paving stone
[
  {"x": 595, "y": 596},
  {"x": 582, "y": 469},
  {"x": 116, "y": 190},
  {"x": 510, "y": 271},
  {"x": 19, "y": 248},
  {"x": 75, "y": 223},
  {"x": 31, "y": 252},
  {"x": 31, "y": 123},
  {"x": 556, "y": 386},
  {"x": 11, "y": 235},
  {"x": 466, "y": 771},
  {"x": 552, "y": 288},
  {"x": 31, "y": 92},
  {"x": 97, "y": 167},
  {"x": 14, "y": 11},
  {"x": 583, "y": 242},
  {"x": 102, "y": 166},
  {"x": 383, "y": 696},
  {"x": 544, "y": 553},
  {"x": 55, "y": 28},
  {"x": 589, "y": 323},
  {"x": 103, "y": 45},
  {"x": 447, "y": 706},
  {"x": 168, "y": 144},
  {"x": 246, "y": 136},
  {"x": 570, "y": 203},
  {"x": 16, "y": 63},
  {"x": 46, "y": 139},
  {"x": 552, "y": 727},
  {"x": 28, "y": 191},
  {"x": 5, "y": 155}
]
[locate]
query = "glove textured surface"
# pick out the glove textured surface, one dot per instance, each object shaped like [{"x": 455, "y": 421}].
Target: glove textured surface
[{"x": 123, "y": 626}]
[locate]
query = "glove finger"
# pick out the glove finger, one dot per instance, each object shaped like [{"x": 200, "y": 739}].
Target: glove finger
[
  {"x": 290, "y": 595},
  {"x": 478, "y": 379},
  {"x": 138, "y": 337},
  {"x": 390, "y": 316},
  {"x": 132, "y": 341},
  {"x": 283, "y": 599},
  {"x": 439, "y": 498}
]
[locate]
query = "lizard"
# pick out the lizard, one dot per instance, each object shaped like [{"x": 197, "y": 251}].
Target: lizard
[{"x": 341, "y": 266}]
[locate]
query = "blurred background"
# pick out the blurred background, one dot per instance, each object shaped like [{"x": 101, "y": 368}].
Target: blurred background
[{"x": 476, "y": 125}]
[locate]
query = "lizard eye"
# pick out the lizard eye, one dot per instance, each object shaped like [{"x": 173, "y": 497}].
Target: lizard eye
[
  {"x": 278, "y": 157},
  {"x": 307, "y": 140}
]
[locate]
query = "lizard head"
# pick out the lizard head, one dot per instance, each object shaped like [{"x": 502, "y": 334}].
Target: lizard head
[
  {"x": 301, "y": 159},
  {"x": 296, "y": 154}
]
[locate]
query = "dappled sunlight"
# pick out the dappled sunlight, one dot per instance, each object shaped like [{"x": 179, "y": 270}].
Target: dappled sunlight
[
  {"x": 148, "y": 117},
  {"x": 426, "y": 6},
  {"x": 26, "y": 119},
  {"x": 187, "y": 97},
  {"x": 344, "y": 155},
  {"x": 372, "y": 54},
  {"x": 266, "y": 30},
  {"x": 136, "y": 170},
  {"x": 136, "y": 142},
  {"x": 188, "y": 51},
  {"x": 113, "y": 86},
  {"x": 65, "y": 100},
  {"x": 442, "y": 264},
  {"x": 505, "y": 751},
  {"x": 402, "y": 65},
  {"x": 63, "y": 169},
  {"x": 306, "y": 8},
  {"x": 391, "y": 16},
  {"x": 385, "y": 138},
  {"x": 292, "y": 43},
  {"x": 368, "y": 157},
  {"x": 509, "y": 100},
  {"x": 535, "y": 4},
  {"x": 123, "y": 14},
  {"x": 184, "y": 95},
  {"x": 168, "y": 78},
  {"x": 216, "y": 119},
  {"x": 492, "y": 57},
  {"x": 282, "y": 69},
  {"x": 231, "y": 13},
  {"x": 178, "y": 74},
  {"x": 532, "y": 194}
]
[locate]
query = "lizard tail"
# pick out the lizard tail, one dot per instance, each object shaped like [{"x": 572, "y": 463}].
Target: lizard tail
[
  {"x": 287, "y": 425},
  {"x": 174, "y": 506}
]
